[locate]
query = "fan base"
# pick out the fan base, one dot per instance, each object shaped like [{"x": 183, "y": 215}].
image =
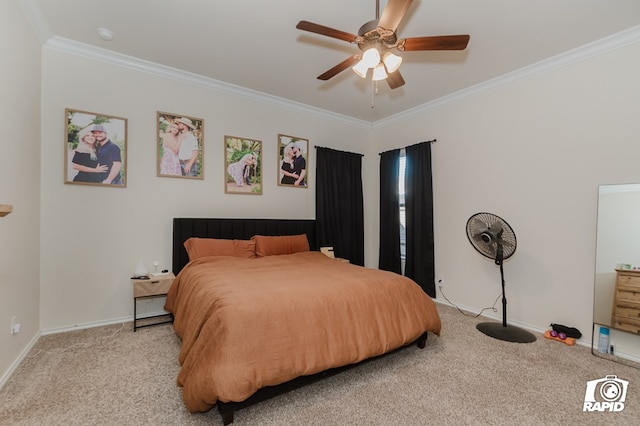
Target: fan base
[{"x": 509, "y": 333}]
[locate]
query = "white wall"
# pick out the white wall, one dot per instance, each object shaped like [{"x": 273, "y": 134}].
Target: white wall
[
  {"x": 19, "y": 184},
  {"x": 533, "y": 152},
  {"x": 93, "y": 237}
]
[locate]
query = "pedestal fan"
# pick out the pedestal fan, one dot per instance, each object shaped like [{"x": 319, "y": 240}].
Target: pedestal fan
[{"x": 494, "y": 238}]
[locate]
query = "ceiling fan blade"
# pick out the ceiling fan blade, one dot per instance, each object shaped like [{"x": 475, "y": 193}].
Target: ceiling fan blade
[
  {"x": 395, "y": 79},
  {"x": 347, "y": 63},
  {"x": 326, "y": 31},
  {"x": 393, "y": 13},
  {"x": 450, "y": 42}
]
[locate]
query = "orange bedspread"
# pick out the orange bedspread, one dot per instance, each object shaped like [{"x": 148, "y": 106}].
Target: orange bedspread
[{"x": 250, "y": 323}]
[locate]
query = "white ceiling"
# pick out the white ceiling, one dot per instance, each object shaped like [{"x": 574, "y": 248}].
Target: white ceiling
[{"x": 254, "y": 43}]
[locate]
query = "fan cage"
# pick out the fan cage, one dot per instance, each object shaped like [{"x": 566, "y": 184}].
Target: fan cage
[{"x": 481, "y": 232}]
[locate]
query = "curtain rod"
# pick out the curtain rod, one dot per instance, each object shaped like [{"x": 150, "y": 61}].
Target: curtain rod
[
  {"x": 431, "y": 141},
  {"x": 348, "y": 152}
]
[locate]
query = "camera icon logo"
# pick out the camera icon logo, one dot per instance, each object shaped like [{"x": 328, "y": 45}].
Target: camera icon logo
[{"x": 606, "y": 394}]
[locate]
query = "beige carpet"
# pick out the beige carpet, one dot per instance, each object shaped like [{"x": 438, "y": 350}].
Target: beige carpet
[{"x": 112, "y": 376}]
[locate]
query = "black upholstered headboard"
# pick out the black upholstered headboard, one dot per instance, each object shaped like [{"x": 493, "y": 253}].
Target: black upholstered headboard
[{"x": 230, "y": 229}]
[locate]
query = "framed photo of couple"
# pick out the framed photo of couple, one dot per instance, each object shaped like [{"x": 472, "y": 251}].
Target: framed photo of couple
[
  {"x": 180, "y": 146},
  {"x": 95, "y": 149},
  {"x": 293, "y": 161},
  {"x": 242, "y": 166}
]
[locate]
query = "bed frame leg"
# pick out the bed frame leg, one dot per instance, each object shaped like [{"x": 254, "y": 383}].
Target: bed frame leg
[
  {"x": 422, "y": 341},
  {"x": 227, "y": 417}
]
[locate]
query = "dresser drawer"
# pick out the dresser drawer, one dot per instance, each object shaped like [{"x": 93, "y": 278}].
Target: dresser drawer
[
  {"x": 629, "y": 281},
  {"x": 628, "y": 313},
  {"x": 627, "y": 324},
  {"x": 153, "y": 286},
  {"x": 628, "y": 294}
]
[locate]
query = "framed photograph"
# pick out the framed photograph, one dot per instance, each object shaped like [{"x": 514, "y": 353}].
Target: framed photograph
[
  {"x": 242, "y": 165},
  {"x": 95, "y": 149},
  {"x": 180, "y": 146},
  {"x": 293, "y": 161}
]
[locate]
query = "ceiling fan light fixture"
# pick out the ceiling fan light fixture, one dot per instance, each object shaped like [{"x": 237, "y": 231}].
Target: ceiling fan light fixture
[
  {"x": 361, "y": 69},
  {"x": 379, "y": 73},
  {"x": 376, "y": 38},
  {"x": 371, "y": 57},
  {"x": 392, "y": 62}
]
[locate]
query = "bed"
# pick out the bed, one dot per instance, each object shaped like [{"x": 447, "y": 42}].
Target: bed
[{"x": 240, "y": 282}]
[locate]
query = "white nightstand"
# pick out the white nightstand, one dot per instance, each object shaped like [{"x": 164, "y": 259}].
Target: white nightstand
[{"x": 157, "y": 286}]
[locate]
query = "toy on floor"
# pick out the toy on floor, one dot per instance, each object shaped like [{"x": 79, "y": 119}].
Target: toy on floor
[{"x": 564, "y": 334}]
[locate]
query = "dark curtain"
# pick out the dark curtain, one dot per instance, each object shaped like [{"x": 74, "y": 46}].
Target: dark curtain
[
  {"x": 389, "y": 253},
  {"x": 339, "y": 203},
  {"x": 419, "y": 217}
]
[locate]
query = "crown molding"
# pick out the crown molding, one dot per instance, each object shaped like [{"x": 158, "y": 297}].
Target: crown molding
[
  {"x": 598, "y": 47},
  {"x": 65, "y": 45},
  {"x": 589, "y": 50}
]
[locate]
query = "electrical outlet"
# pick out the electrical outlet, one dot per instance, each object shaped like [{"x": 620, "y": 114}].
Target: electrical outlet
[
  {"x": 15, "y": 327},
  {"x": 441, "y": 280}
]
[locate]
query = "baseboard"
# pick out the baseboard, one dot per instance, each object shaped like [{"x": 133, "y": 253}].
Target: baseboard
[
  {"x": 493, "y": 317},
  {"x": 634, "y": 359},
  {"x": 85, "y": 326},
  {"x": 528, "y": 327},
  {"x": 99, "y": 323},
  {"x": 14, "y": 366},
  {"x": 582, "y": 342}
]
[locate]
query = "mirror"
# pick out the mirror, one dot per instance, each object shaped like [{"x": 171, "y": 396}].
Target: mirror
[{"x": 618, "y": 259}]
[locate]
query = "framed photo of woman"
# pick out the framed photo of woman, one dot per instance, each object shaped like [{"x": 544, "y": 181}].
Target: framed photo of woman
[
  {"x": 293, "y": 161},
  {"x": 95, "y": 149},
  {"x": 242, "y": 165},
  {"x": 180, "y": 146}
]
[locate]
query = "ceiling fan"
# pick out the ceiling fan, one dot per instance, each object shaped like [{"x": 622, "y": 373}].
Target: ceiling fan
[{"x": 376, "y": 39}]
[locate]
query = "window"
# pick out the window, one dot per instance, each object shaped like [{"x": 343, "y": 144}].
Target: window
[{"x": 403, "y": 221}]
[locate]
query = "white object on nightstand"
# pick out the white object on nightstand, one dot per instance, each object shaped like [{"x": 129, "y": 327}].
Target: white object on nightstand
[{"x": 140, "y": 270}]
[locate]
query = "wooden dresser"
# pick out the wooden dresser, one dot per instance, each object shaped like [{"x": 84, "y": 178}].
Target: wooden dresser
[{"x": 626, "y": 301}]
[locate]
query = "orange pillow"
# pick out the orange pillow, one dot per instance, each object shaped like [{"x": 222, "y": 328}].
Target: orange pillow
[
  {"x": 201, "y": 247},
  {"x": 286, "y": 244}
]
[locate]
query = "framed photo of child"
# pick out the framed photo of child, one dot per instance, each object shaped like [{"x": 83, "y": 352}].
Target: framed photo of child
[
  {"x": 180, "y": 146},
  {"x": 242, "y": 166},
  {"x": 293, "y": 161},
  {"x": 95, "y": 149}
]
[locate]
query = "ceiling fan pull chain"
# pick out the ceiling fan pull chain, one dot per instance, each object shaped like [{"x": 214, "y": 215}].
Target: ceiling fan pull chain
[{"x": 374, "y": 90}]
